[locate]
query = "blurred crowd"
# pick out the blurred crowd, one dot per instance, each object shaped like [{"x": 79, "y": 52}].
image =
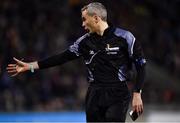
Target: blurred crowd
[{"x": 35, "y": 29}]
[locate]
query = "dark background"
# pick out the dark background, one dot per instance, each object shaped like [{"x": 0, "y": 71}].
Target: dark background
[{"x": 35, "y": 29}]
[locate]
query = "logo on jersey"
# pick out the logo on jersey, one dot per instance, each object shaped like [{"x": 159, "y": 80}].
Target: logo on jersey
[
  {"x": 108, "y": 48},
  {"x": 111, "y": 50}
]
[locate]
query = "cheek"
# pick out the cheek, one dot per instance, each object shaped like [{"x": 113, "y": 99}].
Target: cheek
[{"x": 89, "y": 24}]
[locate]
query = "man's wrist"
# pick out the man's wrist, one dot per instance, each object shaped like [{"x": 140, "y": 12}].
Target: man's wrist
[
  {"x": 137, "y": 91},
  {"x": 31, "y": 68}
]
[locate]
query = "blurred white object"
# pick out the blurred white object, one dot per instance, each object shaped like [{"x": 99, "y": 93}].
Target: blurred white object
[{"x": 163, "y": 116}]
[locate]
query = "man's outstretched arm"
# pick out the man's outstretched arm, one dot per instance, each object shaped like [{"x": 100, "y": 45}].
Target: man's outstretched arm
[
  {"x": 21, "y": 66},
  {"x": 73, "y": 52}
]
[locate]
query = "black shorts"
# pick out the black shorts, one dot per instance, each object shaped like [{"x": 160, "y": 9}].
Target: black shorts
[{"x": 107, "y": 103}]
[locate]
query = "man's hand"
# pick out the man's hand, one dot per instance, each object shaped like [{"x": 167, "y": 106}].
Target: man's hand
[
  {"x": 19, "y": 67},
  {"x": 137, "y": 103}
]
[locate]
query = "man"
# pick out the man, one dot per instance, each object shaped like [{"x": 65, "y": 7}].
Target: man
[{"x": 108, "y": 53}]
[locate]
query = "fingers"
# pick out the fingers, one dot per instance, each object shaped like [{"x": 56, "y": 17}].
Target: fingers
[
  {"x": 141, "y": 108},
  {"x": 138, "y": 109},
  {"x": 134, "y": 108},
  {"x": 11, "y": 66},
  {"x": 15, "y": 69},
  {"x": 12, "y": 72},
  {"x": 11, "y": 69}
]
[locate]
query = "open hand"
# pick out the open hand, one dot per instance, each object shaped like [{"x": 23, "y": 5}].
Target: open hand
[{"x": 19, "y": 67}]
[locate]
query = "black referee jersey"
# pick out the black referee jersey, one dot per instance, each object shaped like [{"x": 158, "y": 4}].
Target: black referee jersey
[{"x": 108, "y": 58}]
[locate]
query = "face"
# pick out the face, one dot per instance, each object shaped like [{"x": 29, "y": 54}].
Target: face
[{"x": 89, "y": 22}]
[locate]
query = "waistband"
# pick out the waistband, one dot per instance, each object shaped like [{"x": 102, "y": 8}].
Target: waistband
[{"x": 114, "y": 84}]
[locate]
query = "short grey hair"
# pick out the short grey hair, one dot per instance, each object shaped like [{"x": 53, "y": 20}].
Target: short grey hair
[{"x": 96, "y": 8}]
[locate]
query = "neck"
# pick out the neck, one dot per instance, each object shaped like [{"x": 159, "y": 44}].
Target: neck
[{"x": 102, "y": 27}]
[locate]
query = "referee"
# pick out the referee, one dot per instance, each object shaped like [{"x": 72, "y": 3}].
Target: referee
[{"x": 108, "y": 53}]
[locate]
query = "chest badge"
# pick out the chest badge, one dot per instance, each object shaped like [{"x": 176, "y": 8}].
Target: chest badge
[{"x": 108, "y": 48}]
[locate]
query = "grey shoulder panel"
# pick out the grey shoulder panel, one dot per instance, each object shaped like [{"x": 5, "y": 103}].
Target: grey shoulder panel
[
  {"x": 129, "y": 38},
  {"x": 75, "y": 47}
]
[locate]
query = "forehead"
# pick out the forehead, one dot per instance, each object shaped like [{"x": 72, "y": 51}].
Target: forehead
[{"x": 84, "y": 13}]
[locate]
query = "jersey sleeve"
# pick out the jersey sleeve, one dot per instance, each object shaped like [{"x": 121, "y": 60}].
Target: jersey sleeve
[
  {"x": 73, "y": 52},
  {"x": 136, "y": 54},
  {"x": 140, "y": 62},
  {"x": 58, "y": 59}
]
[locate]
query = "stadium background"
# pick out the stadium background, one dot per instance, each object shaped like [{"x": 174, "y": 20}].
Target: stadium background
[{"x": 35, "y": 29}]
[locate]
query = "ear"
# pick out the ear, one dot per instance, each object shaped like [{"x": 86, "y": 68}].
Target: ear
[{"x": 96, "y": 18}]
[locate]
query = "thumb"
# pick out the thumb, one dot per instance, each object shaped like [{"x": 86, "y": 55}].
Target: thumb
[{"x": 18, "y": 61}]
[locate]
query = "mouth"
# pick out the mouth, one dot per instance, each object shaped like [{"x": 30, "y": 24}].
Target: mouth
[{"x": 85, "y": 28}]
